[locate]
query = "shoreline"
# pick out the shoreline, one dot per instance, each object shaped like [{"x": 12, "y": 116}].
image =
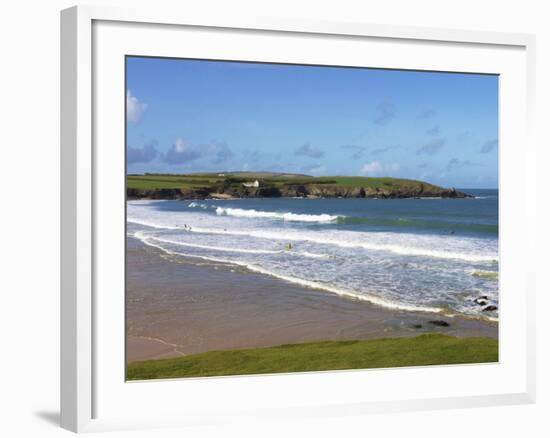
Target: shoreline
[{"x": 176, "y": 306}]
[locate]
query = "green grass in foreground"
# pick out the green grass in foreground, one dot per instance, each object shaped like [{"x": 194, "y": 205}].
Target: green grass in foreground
[{"x": 428, "y": 349}]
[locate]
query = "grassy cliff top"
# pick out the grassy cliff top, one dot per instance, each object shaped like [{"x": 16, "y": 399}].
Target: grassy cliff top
[{"x": 172, "y": 181}]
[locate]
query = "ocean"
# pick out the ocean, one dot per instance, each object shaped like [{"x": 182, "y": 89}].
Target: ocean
[{"x": 430, "y": 255}]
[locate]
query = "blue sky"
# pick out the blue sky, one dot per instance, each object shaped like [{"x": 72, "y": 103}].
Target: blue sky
[{"x": 191, "y": 116}]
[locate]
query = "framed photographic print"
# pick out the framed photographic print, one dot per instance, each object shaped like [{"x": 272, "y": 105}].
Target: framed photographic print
[{"x": 250, "y": 207}]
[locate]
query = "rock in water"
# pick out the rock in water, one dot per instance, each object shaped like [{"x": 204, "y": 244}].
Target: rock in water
[{"x": 490, "y": 308}]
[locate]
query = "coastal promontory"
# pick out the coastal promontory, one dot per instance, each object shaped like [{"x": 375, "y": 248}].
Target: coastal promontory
[{"x": 276, "y": 185}]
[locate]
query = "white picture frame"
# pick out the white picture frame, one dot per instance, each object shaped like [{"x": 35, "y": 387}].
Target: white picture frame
[{"x": 85, "y": 174}]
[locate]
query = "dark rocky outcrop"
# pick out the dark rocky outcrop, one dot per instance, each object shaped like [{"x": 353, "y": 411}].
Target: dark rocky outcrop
[
  {"x": 490, "y": 308},
  {"x": 183, "y": 193},
  {"x": 439, "y": 323}
]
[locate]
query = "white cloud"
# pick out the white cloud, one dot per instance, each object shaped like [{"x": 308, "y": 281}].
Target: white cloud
[
  {"x": 180, "y": 146},
  {"x": 144, "y": 154},
  {"x": 376, "y": 168},
  {"x": 134, "y": 108},
  {"x": 219, "y": 152},
  {"x": 182, "y": 152}
]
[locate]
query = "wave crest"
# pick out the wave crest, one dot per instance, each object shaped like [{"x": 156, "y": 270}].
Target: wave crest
[{"x": 295, "y": 217}]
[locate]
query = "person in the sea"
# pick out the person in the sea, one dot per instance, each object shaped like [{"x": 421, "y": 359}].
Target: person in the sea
[{"x": 289, "y": 246}]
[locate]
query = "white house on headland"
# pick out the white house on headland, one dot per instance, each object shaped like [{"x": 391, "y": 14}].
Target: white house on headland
[{"x": 252, "y": 184}]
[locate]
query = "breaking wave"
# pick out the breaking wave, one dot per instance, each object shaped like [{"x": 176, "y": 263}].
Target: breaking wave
[{"x": 292, "y": 217}]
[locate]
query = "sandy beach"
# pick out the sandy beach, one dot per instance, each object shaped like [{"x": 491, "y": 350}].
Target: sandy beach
[{"x": 177, "y": 306}]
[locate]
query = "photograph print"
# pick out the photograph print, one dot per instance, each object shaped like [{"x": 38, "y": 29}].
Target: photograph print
[{"x": 295, "y": 218}]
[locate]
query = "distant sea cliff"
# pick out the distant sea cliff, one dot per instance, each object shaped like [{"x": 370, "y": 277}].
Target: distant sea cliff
[{"x": 277, "y": 185}]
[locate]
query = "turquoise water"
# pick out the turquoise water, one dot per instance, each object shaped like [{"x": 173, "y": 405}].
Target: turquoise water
[{"x": 433, "y": 255}]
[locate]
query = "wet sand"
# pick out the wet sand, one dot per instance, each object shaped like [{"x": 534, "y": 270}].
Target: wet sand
[{"x": 177, "y": 306}]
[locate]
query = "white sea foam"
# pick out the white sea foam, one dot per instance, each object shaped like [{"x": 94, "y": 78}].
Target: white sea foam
[
  {"x": 403, "y": 270},
  {"x": 239, "y": 212},
  {"x": 350, "y": 240},
  {"x": 344, "y": 292},
  {"x": 303, "y": 282},
  {"x": 199, "y": 205},
  {"x": 311, "y": 255},
  {"x": 357, "y": 241},
  {"x": 143, "y": 236}
]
